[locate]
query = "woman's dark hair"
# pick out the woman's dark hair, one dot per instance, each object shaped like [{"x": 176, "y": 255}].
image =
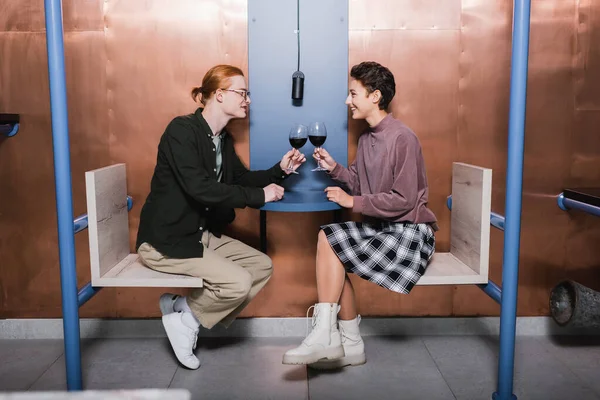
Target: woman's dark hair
[{"x": 374, "y": 76}]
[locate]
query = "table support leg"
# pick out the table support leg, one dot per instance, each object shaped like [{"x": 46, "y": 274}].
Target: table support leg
[{"x": 263, "y": 231}]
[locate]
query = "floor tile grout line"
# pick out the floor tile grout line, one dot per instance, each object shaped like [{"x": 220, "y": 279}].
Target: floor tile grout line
[
  {"x": 307, "y": 384},
  {"x": 173, "y": 377},
  {"x": 438, "y": 367},
  {"x": 46, "y": 370}
]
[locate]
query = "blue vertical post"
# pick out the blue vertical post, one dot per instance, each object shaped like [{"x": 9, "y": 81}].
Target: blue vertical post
[
  {"x": 64, "y": 201},
  {"x": 514, "y": 187}
]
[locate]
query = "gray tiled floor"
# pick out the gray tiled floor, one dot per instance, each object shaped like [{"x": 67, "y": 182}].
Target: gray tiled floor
[{"x": 428, "y": 367}]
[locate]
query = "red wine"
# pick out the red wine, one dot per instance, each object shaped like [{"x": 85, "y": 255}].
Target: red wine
[
  {"x": 317, "y": 141},
  {"x": 297, "y": 142}
]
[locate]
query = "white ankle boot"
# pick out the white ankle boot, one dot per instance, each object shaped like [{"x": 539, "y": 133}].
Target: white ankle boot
[
  {"x": 354, "y": 347},
  {"x": 324, "y": 342}
]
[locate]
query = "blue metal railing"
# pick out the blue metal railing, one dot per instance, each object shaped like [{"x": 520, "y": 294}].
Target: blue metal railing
[
  {"x": 9, "y": 129},
  {"x": 492, "y": 290},
  {"x": 566, "y": 204},
  {"x": 9, "y": 124},
  {"x": 86, "y": 293},
  {"x": 496, "y": 220}
]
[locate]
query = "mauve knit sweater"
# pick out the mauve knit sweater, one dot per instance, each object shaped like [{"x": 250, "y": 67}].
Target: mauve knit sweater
[{"x": 388, "y": 178}]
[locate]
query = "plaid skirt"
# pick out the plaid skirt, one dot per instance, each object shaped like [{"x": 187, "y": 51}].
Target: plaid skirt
[{"x": 393, "y": 255}]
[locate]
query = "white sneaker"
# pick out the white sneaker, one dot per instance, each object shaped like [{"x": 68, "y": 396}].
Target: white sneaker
[
  {"x": 354, "y": 347},
  {"x": 324, "y": 342},
  {"x": 182, "y": 331},
  {"x": 167, "y": 303}
]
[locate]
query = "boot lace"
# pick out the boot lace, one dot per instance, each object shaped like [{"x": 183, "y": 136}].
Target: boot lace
[{"x": 313, "y": 323}]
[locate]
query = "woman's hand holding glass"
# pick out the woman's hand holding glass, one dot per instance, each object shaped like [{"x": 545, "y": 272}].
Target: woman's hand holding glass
[
  {"x": 317, "y": 134},
  {"x": 324, "y": 159}
]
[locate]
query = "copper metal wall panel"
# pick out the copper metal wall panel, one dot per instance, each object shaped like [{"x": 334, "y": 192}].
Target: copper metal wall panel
[
  {"x": 484, "y": 84},
  {"x": 404, "y": 14},
  {"x": 549, "y": 130},
  {"x": 585, "y": 156},
  {"x": 583, "y": 233},
  {"x": 587, "y": 55},
  {"x": 484, "y": 64},
  {"x": 28, "y": 15},
  {"x": 83, "y": 15},
  {"x": 28, "y": 238},
  {"x": 549, "y": 102},
  {"x": 27, "y": 216},
  {"x": 425, "y": 67},
  {"x": 23, "y": 15}
]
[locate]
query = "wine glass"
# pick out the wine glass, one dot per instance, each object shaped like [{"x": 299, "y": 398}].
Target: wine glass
[
  {"x": 298, "y": 137},
  {"x": 317, "y": 133}
]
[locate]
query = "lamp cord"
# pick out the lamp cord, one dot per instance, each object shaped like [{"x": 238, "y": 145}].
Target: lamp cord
[{"x": 298, "y": 29}]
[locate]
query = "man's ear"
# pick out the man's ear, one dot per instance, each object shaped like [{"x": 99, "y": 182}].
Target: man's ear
[{"x": 219, "y": 95}]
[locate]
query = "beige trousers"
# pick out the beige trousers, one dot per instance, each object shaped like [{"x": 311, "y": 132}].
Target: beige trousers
[{"x": 233, "y": 273}]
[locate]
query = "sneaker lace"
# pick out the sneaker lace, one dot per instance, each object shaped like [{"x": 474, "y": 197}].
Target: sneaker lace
[{"x": 195, "y": 339}]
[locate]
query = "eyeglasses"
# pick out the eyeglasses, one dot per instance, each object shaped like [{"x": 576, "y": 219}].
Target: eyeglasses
[{"x": 242, "y": 92}]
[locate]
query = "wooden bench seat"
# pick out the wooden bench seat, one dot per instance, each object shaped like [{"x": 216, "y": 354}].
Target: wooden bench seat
[
  {"x": 468, "y": 259},
  {"x": 112, "y": 264}
]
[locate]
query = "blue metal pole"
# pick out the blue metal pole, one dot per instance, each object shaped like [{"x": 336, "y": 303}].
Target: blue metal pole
[
  {"x": 514, "y": 192},
  {"x": 64, "y": 201}
]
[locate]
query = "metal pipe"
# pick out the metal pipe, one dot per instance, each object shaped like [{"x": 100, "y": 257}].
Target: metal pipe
[
  {"x": 514, "y": 193},
  {"x": 86, "y": 293},
  {"x": 64, "y": 200},
  {"x": 9, "y": 129},
  {"x": 492, "y": 290},
  {"x": 80, "y": 223},
  {"x": 496, "y": 220},
  {"x": 566, "y": 204}
]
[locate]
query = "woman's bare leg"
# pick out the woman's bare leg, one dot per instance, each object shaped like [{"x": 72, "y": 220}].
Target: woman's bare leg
[
  {"x": 333, "y": 285},
  {"x": 347, "y": 302}
]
